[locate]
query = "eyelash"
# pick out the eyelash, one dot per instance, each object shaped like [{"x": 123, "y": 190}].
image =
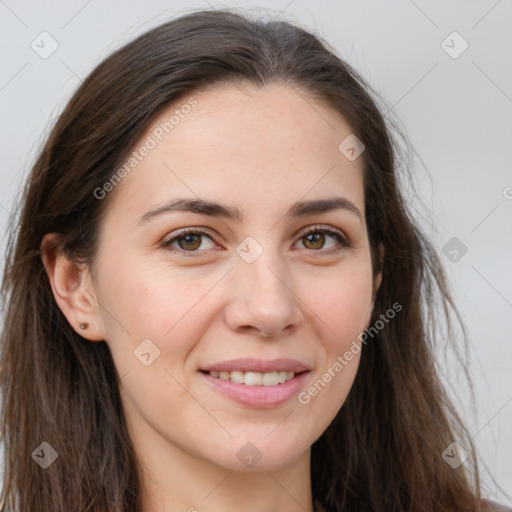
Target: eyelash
[{"x": 167, "y": 243}]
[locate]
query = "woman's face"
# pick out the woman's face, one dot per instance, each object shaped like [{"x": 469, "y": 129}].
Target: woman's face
[{"x": 265, "y": 285}]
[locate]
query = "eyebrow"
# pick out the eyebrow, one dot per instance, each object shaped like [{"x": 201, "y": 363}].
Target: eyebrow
[{"x": 215, "y": 209}]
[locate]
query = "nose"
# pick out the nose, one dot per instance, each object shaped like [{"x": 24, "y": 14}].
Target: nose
[{"x": 262, "y": 299}]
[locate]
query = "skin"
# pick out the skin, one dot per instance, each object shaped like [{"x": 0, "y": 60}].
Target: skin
[{"x": 259, "y": 150}]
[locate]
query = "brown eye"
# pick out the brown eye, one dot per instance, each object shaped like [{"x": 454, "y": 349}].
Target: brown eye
[
  {"x": 187, "y": 241},
  {"x": 316, "y": 238}
]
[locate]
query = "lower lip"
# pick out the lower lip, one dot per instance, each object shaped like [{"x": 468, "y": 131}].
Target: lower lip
[{"x": 258, "y": 396}]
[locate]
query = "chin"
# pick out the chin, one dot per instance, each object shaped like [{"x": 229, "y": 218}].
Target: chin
[{"x": 261, "y": 451}]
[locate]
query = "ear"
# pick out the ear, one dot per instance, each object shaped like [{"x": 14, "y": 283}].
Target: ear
[
  {"x": 73, "y": 289},
  {"x": 377, "y": 281}
]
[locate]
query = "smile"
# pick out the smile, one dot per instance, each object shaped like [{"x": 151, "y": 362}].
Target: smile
[
  {"x": 258, "y": 390},
  {"x": 255, "y": 378}
]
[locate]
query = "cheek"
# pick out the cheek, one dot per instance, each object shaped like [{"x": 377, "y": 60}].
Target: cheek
[
  {"x": 341, "y": 307},
  {"x": 156, "y": 312},
  {"x": 341, "y": 304},
  {"x": 148, "y": 300}
]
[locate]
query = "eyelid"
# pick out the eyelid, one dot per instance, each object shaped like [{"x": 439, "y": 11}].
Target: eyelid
[
  {"x": 343, "y": 240},
  {"x": 322, "y": 227},
  {"x": 192, "y": 230}
]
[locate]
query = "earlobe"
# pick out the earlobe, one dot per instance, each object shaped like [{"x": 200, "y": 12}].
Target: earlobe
[{"x": 72, "y": 289}]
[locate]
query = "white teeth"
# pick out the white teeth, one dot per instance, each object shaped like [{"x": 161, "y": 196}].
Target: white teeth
[
  {"x": 237, "y": 377},
  {"x": 255, "y": 378},
  {"x": 270, "y": 379}
]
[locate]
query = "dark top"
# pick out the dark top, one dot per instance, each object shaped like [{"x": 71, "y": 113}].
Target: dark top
[{"x": 488, "y": 506}]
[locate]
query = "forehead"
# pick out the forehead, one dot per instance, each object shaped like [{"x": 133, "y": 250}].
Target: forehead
[{"x": 271, "y": 144}]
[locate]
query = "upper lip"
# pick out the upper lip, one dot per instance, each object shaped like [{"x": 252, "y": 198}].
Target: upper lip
[{"x": 258, "y": 365}]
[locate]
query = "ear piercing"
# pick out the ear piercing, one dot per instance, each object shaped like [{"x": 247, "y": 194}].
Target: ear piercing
[{"x": 84, "y": 325}]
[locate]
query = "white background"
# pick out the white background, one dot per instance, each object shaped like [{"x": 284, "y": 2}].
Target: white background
[{"x": 457, "y": 113}]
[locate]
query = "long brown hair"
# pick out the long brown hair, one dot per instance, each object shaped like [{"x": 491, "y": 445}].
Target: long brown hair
[{"x": 382, "y": 452}]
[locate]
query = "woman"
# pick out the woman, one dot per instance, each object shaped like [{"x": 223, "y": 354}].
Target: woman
[{"x": 216, "y": 297}]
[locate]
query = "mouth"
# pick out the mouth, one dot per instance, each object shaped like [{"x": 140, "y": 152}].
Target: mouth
[
  {"x": 255, "y": 378},
  {"x": 256, "y": 390}
]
